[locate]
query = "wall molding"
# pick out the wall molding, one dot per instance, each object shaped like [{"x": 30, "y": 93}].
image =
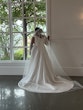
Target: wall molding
[
  {"x": 18, "y": 70},
  {"x": 12, "y": 67}
]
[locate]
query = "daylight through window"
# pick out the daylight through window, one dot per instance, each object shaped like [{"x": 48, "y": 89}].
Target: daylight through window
[{"x": 18, "y": 19}]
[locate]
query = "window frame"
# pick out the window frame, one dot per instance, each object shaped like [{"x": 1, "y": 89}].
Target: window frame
[{"x": 11, "y": 33}]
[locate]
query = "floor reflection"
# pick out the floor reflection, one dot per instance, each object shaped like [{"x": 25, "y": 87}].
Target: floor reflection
[
  {"x": 14, "y": 98},
  {"x": 19, "y": 93},
  {"x": 4, "y": 93},
  {"x": 11, "y": 96}
]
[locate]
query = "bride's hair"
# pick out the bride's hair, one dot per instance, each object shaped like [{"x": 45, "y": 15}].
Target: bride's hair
[
  {"x": 38, "y": 31},
  {"x": 37, "y": 28}
]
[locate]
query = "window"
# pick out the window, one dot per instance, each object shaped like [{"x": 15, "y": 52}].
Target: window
[{"x": 18, "y": 19}]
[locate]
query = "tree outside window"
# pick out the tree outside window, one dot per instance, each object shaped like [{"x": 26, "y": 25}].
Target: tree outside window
[{"x": 18, "y": 19}]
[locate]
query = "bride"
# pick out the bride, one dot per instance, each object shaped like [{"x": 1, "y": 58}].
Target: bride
[{"x": 39, "y": 75}]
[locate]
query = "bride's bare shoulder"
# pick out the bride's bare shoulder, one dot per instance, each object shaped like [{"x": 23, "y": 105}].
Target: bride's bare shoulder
[{"x": 33, "y": 39}]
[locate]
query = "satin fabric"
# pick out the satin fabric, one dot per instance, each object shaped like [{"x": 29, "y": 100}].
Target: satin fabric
[{"x": 39, "y": 75}]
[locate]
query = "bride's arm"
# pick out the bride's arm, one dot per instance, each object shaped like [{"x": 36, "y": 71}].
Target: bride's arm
[{"x": 47, "y": 39}]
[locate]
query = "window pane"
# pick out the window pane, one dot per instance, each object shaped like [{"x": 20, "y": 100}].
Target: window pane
[
  {"x": 4, "y": 10},
  {"x": 3, "y": 1},
  {"x": 18, "y": 19},
  {"x": 30, "y": 25},
  {"x": 4, "y": 22},
  {"x": 17, "y": 25},
  {"x": 18, "y": 53},
  {"x": 29, "y": 9},
  {"x": 4, "y": 53},
  {"x": 16, "y": 9},
  {"x": 4, "y": 46},
  {"x": 4, "y": 25},
  {"x": 18, "y": 39},
  {"x": 16, "y": 1},
  {"x": 40, "y": 0},
  {"x": 4, "y": 40},
  {"x": 29, "y": 0},
  {"x": 41, "y": 22},
  {"x": 40, "y": 9}
]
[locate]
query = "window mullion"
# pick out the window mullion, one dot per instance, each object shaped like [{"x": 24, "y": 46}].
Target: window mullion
[
  {"x": 34, "y": 15},
  {"x": 24, "y": 33},
  {"x": 10, "y": 31},
  {"x": 48, "y": 15}
]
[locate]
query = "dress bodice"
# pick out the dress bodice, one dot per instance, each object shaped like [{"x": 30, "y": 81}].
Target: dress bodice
[{"x": 39, "y": 41}]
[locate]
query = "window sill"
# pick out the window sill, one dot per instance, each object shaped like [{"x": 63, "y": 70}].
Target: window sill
[
  {"x": 11, "y": 63},
  {"x": 12, "y": 67}
]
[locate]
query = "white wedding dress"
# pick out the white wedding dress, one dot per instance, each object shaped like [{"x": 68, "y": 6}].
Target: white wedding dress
[{"x": 39, "y": 75}]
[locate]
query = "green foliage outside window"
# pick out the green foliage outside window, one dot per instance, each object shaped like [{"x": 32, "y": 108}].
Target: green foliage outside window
[{"x": 20, "y": 24}]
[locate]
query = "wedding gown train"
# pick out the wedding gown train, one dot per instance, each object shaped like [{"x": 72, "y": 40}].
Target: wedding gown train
[{"x": 39, "y": 75}]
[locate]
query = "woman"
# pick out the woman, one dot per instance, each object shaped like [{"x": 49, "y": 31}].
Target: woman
[{"x": 39, "y": 75}]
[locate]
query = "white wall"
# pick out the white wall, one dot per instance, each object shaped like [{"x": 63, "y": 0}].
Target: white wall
[
  {"x": 65, "y": 26},
  {"x": 11, "y": 68}
]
